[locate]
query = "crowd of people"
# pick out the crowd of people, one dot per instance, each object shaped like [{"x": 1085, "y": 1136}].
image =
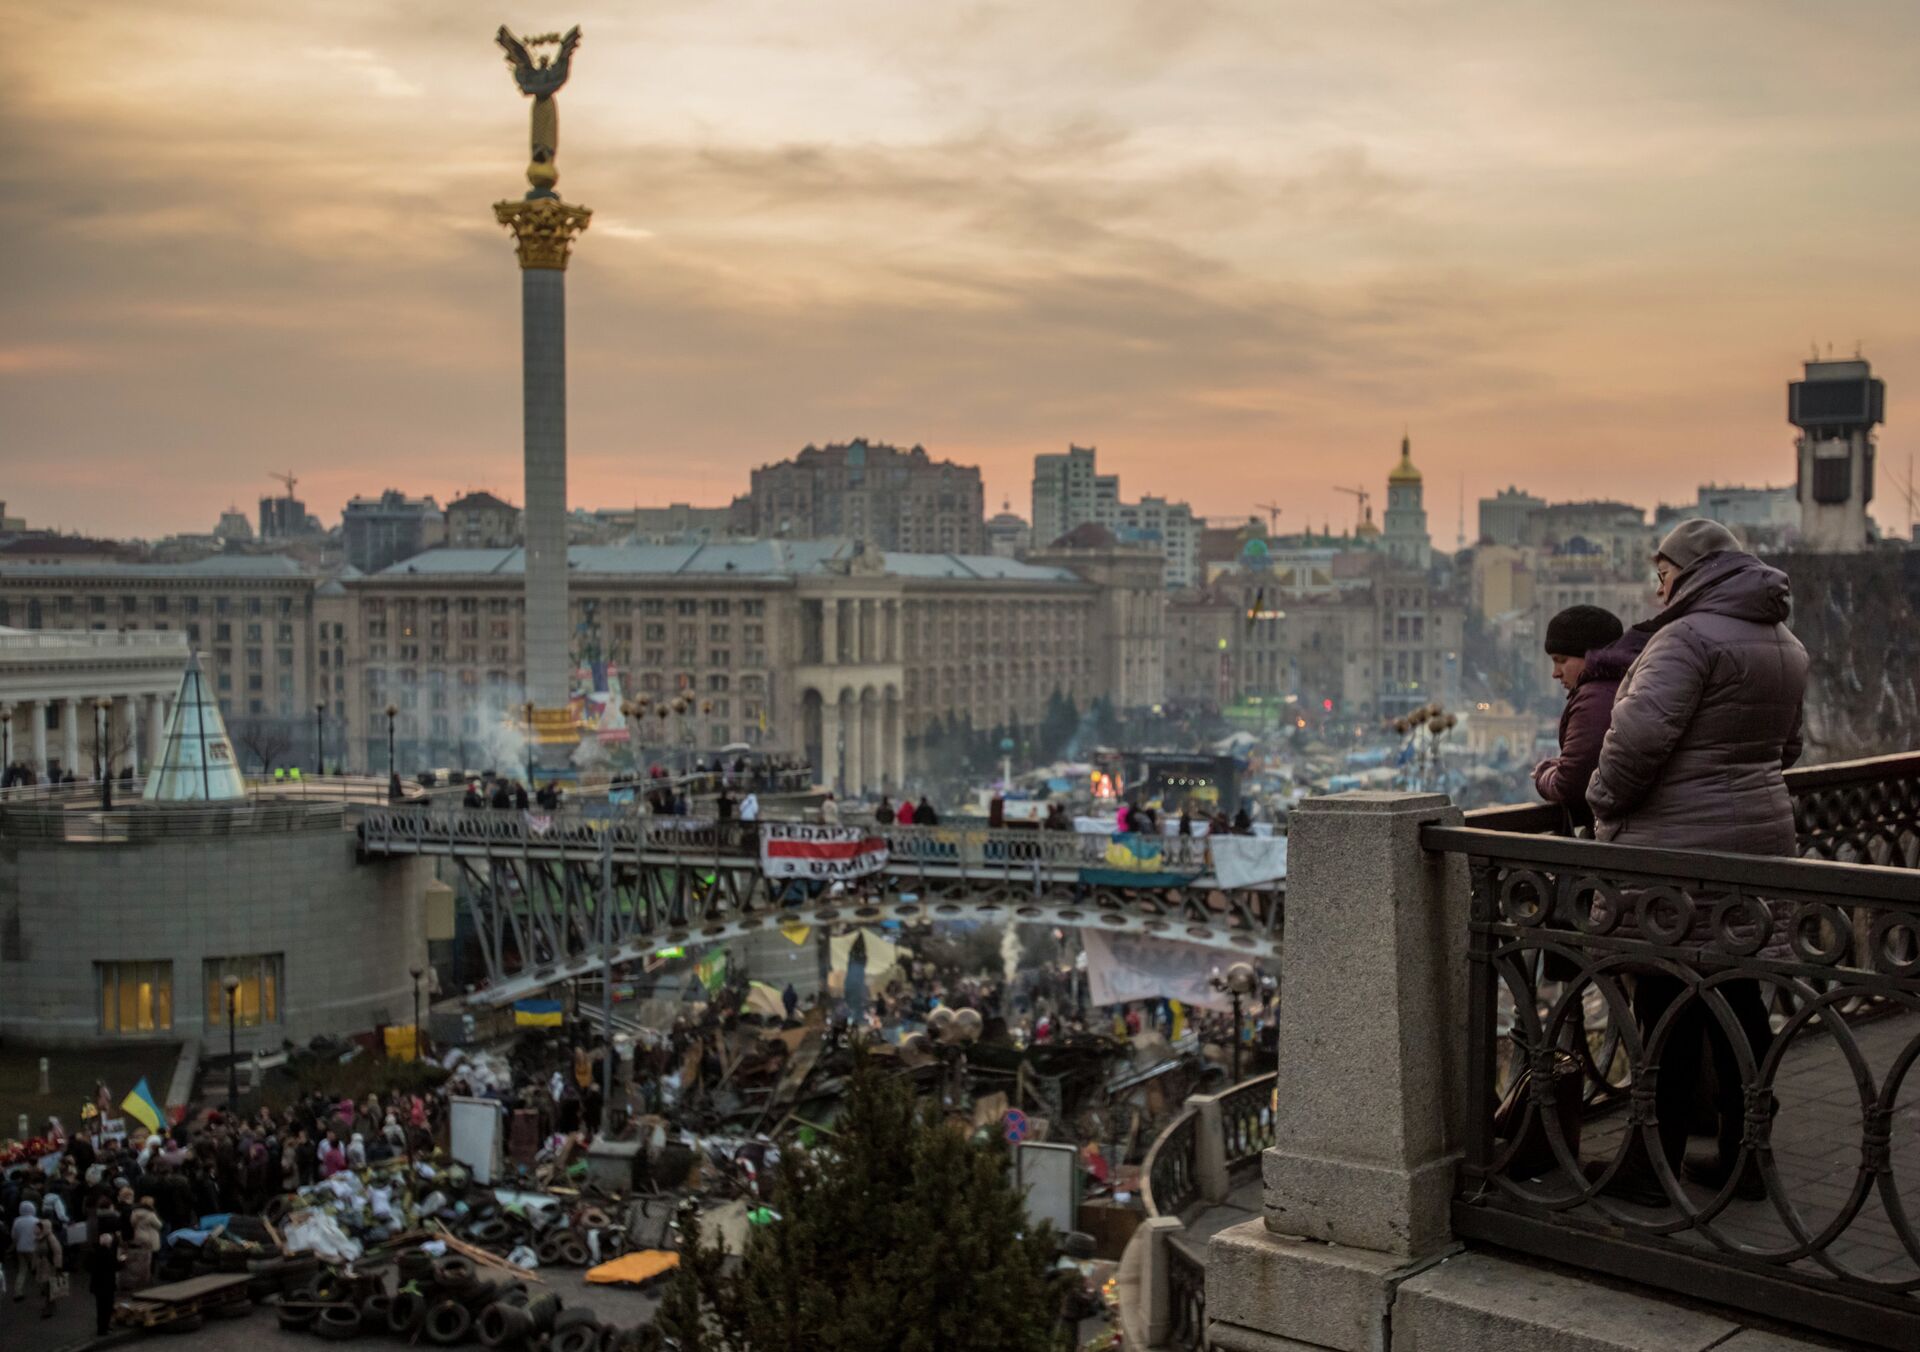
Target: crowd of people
[
  {"x": 1676, "y": 734},
  {"x": 129, "y": 1196}
]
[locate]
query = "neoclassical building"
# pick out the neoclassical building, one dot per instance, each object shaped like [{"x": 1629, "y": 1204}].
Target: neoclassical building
[
  {"x": 826, "y": 648},
  {"x": 68, "y": 697}
]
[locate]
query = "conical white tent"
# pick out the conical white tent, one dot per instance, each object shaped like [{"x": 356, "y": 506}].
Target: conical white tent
[{"x": 197, "y": 764}]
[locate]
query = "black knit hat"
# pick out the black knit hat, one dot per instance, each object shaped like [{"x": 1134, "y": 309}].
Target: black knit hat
[{"x": 1578, "y": 630}]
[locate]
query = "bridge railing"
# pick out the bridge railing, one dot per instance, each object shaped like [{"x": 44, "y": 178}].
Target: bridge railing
[
  {"x": 1155, "y": 860},
  {"x": 1750, "y": 965}
]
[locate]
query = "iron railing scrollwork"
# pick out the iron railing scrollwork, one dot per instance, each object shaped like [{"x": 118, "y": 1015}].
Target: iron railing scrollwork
[
  {"x": 1187, "y": 1292},
  {"x": 1693, "y": 989},
  {"x": 1173, "y": 1167},
  {"x": 1247, "y": 1119}
]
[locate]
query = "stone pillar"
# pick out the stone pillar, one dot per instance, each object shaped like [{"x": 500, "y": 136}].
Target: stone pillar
[
  {"x": 156, "y": 731},
  {"x": 897, "y": 742},
  {"x": 132, "y": 704},
  {"x": 1372, "y": 1067},
  {"x": 544, "y": 228},
  {"x": 830, "y": 740},
  {"x": 38, "y": 734},
  {"x": 855, "y": 745},
  {"x": 830, "y": 632},
  {"x": 70, "y": 738}
]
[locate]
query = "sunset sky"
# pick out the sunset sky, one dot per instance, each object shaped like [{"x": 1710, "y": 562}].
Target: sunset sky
[{"x": 1236, "y": 245}]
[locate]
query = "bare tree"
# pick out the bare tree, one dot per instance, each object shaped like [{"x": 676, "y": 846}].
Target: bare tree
[
  {"x": 1859, "y": 616},
  {"x": 266, "y": 739}
]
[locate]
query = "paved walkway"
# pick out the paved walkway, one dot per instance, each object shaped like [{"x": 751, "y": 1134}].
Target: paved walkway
[{"x": 1816, "y": 1146}]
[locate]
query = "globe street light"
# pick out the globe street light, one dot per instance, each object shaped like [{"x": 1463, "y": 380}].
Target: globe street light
[
  {"x": 231, "y": 984},
  {"x": 1239, "y": 982}
]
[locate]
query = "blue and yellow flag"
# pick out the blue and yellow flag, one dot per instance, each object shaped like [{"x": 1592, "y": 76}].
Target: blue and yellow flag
[
  {"x": 536, "y": 1013},
  {"x": 140, "y": 1106}
]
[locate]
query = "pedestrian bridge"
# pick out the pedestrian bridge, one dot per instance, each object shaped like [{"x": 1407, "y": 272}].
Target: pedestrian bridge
[{"x": 559, "y": 895}]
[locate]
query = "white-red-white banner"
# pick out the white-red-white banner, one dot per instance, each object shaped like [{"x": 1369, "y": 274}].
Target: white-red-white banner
[{"x": 796, "y": 850}]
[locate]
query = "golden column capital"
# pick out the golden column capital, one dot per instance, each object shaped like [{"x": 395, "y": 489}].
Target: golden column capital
[{"x": 543, "y": 229}]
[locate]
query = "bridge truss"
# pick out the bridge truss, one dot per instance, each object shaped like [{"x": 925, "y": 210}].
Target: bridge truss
[{"x": 560, "y": 896}]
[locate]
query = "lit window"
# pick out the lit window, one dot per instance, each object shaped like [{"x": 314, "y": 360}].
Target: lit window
[
  {"x": 135, "y": 997},
  {"x": 256, "y": 998}
]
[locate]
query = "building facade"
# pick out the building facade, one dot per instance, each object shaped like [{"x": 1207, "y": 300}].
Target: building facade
[
  {"x": 1375, "y": 650},
  {"x": 482, "y": 521},
  {"x": 1008, "y": 536},
  {"x": 379, "y": 531},
  {"x": 893, "y": 499},
  {"x": 250, "y": 617},
  {"x": 1836, "y": 406},
  {"x": 1503, "y": 517},
  {"x": 1405, "y": 537},
  {"x": 1069, "y": 492},
  {"x": 83, "y": 702},
  {"x": 825, "y": 648}
]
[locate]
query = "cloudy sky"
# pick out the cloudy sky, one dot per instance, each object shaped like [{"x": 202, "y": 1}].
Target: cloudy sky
[{"x": 1236, "y": 244}]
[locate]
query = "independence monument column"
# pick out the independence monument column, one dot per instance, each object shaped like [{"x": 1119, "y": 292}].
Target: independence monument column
[{"x": 543, "y": 229}]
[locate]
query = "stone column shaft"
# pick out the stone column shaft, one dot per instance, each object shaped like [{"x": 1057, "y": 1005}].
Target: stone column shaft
[
  {"x": 856, "y": 739},
  {"x": 543, "y": 369},
  {"x": 70, "y": 738},
  {"x": 156, "y": 730},
  {"x": 829, "y": 741},
  {"x": 830, "y": 632},
  {"x": 39, "y": 735}
]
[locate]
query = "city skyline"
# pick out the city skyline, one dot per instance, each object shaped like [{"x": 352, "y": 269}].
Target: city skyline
[{"x": 1556, "y": 247}]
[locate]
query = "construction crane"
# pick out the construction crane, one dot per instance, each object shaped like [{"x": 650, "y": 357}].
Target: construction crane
[
  {"x": 286, "y": 479},
  {"x": 1362, "y": 497},
  {"x": 1273, "y": 510}
]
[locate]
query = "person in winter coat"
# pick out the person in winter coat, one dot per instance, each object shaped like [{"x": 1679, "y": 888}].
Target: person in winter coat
[
  {"x": 138, "y": 1270},
  {"x": 924, "y": 815},
  {"x": 829, "y": 811},
  {"x": 906, "y": 815},
  {"x": 1576, "y": 638},
  {"x": 1706, "y": 720},
  {"x": 103, "y": 1268},
  {"x": 26, "y": 1249}
]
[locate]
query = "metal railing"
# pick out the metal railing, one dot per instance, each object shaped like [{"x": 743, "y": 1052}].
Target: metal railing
[
  {"x": 1155, "y": 860},
  {"x": 1247, "y": 1120},
  {"x": 1187, "y": 1297},
  {"x": 1603, "y": 972},
  {"x": 166, "y": 821},
  {"x": 1172, "y": 1167}
]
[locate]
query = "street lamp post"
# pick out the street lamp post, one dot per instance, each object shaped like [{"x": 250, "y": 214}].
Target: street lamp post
[
  {"x": 1239, "y": 982},
  {"x": 320, "y": 739},
  {"x": 393, "y": 712},
  {"x": 6, "y": 738},
  {"x": 415, "y": 973},
  {"x": 231, "y": 984},
  {"x": 102, "y": 723}
]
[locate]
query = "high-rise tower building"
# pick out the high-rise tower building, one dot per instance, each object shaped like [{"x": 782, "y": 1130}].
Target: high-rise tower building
[
  {"x": 1836, "y": 408},
  {"x": 1405, "y": 539}
]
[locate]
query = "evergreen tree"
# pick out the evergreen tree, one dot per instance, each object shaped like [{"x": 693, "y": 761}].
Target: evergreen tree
[{"x": 898, "y": 1236}]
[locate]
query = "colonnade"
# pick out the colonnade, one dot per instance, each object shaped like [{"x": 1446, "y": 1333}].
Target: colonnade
[
  {"x": 863, "y": 744},
  {"x": 134, "y": 727}
]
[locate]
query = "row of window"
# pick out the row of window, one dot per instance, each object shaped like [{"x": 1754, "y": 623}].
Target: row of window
[{"x": 137, "y": 997}]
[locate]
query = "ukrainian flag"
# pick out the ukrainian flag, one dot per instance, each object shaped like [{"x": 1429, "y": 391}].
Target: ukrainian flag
[
  {"x": 536, "y": 1013},
  {"x": 140, "y": 1106}
]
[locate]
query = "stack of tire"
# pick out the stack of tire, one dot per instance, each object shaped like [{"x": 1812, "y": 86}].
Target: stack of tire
[{"x": 445, "y": 1302}]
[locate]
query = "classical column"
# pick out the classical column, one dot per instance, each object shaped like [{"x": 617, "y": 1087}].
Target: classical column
[
  {"x": 70, "y": 738},
  {"x": 544, "y": 228},
  {"x": 131, "y": 703},
  {"x": 897, "y": 741},
  {"x": 39, "y": 735},
  {"x": 855, "y": 744},
  {"x": 156, "y": 731},
  {"x": 830, "y": 631},
  {"x": 830, "y": 741}
]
